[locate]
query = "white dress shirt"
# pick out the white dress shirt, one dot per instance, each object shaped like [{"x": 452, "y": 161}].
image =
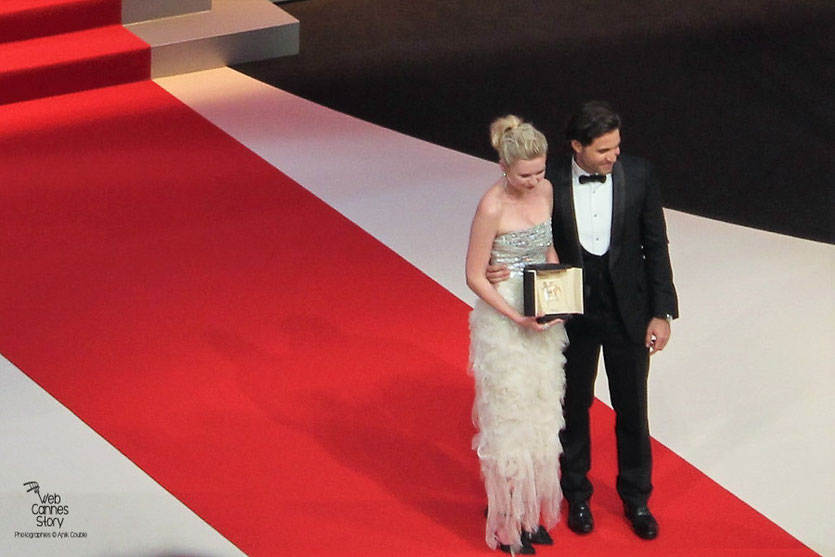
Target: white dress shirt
[{"x": 593, "y": 211}]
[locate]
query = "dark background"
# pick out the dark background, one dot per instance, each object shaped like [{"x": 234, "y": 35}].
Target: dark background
[{"x": 732, "y": 100}]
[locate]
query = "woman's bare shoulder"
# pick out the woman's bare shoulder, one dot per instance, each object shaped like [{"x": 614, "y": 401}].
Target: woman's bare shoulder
[{"x": 491, "y": 203}]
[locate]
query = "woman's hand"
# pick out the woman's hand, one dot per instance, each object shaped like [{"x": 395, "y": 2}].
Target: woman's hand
[{"x": 530, "y": 322}]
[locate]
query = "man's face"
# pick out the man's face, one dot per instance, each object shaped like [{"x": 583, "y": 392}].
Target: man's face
[{"x": 600, "y": 155}]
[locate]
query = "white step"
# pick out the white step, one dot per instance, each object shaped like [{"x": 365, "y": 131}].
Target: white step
[
  {"x": 143, "y": 10},
  {"x": 232, "y": 32}
]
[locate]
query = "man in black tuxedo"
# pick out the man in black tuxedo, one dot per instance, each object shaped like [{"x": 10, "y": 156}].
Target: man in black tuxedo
[{"x": 608, "y": 218}]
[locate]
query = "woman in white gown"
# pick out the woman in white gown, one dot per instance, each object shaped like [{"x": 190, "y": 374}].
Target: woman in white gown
[{"x": 517, "y": 362}]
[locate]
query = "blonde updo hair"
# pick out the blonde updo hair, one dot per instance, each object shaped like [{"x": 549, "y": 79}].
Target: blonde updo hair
[{"x": 516, "y": 140}]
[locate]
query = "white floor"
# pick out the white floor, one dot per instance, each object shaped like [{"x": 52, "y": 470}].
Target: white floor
[
  {"x": 117, "y": 509},
  {"x": 744, "y": 391}
]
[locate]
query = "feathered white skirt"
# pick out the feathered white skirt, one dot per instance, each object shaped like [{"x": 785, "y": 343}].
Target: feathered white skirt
[{"x": 519, "y": 389}]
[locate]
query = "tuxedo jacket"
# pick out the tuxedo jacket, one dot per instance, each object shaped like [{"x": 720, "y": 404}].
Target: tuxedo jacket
[{"x": 639, "y": 258}]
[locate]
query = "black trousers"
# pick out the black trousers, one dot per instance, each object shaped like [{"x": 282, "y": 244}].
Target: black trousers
[{"x": 627, "y": 370}]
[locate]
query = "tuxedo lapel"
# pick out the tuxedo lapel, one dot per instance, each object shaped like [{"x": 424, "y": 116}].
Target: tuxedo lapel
[
  {"x": 567, "y": 199},
  {"x": 618, "y": 210},
  {"x": 565, "y": 229}
]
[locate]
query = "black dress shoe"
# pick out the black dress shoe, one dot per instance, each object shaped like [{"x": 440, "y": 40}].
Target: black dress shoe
[
  {"x": 540, "y": 536},
  {"x": 527, "y": 539},
  {"x": 527, "y": 548},
  {"x": 580, "y": 519},
  {"x": 643, "y": 523}
]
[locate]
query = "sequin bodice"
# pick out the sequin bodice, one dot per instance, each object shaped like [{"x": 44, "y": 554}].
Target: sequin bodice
[{"x": 522, "y": 247}]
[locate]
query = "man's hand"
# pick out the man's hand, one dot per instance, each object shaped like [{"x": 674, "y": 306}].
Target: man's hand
[
  {"x": 658, "y": 334},
  {"x": 497, "y": 273}
]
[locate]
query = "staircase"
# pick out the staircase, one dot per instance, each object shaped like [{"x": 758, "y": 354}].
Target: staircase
[
  {"x": 53, "y": 47},
  {"x": 221, "y": 33}
]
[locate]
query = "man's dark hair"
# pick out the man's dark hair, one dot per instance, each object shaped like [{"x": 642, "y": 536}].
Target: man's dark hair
[{"x": 591, "y": 120}]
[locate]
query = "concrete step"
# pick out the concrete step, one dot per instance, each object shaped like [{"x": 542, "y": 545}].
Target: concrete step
[
  {"x": 232, "y": 32},
  {"x": 144, "y": 10}
]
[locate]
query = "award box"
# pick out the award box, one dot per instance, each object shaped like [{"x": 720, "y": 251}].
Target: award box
[{"x": 553, "y": 290}]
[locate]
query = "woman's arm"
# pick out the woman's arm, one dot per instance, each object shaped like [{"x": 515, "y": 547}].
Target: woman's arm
[{"x": 482, "y": 233}]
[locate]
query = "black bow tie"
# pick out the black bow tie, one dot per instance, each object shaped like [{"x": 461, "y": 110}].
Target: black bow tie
[{"x": 586, "y": 178}]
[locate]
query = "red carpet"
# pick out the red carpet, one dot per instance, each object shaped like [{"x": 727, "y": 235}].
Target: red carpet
[
  {"x": 62, "y": 46},
  {"x": 287, "y": 377},
  {"x": 26, "y": 19}
]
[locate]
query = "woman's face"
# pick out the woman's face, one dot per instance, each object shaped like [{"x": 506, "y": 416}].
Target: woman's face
[{"x": 524, "y": 175}]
